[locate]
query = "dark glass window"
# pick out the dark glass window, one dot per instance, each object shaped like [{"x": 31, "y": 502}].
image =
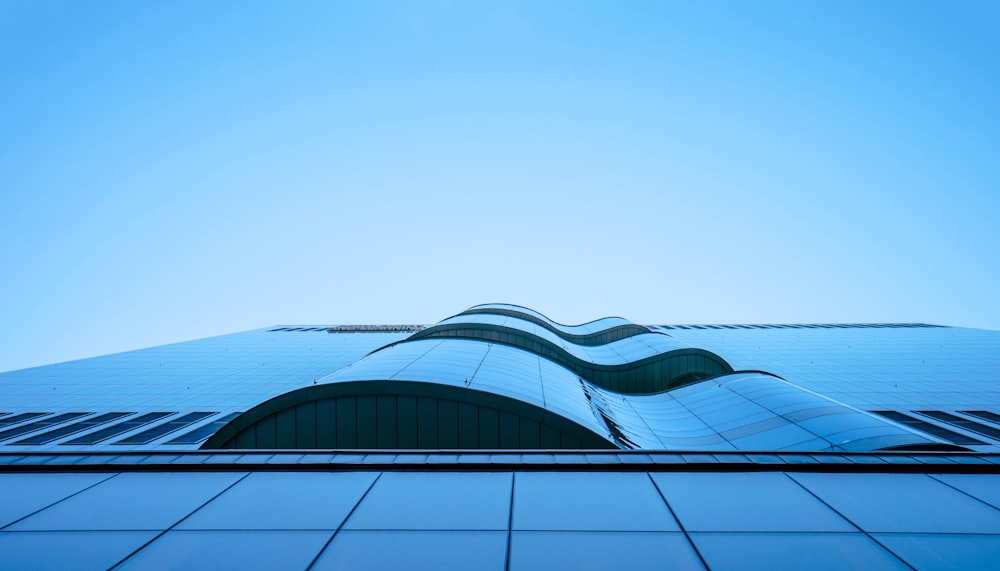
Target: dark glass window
[
  {"x": 147, "y": 436},
  {"x": 46, "y": 437},
  {"x": 40, "y": 424},
  {"x": 923, "y": 426},
  {"x": 116, "y": 429},
  {"x": 970, "y": 425},
  {"x": 203, "y": 432}
]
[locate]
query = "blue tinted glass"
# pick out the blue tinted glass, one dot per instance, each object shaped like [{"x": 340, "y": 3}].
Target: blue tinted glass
[
  {"x": 23, "y": 494},
  {"x": 276, "y": 500},
  {"x": 132, "y": 501},
  {"x": 745, "y": 502},
  {"x": 402, "y": 500},
  {"x": 902, "y": 503},
  {"x": 243, "y": 550},
  {"x": 633, "y": 551},
  {"x": 793, "y": 551},
  {"x": 61, "y": 550},
  {"x": 926, "y": 551},
  {"x": 444, "y": 550},
  {"x": 589, "y": 501},
  {"x": 986, "y": 487}
]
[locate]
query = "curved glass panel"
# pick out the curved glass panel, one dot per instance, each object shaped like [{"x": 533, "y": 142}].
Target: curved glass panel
[
  {"x": 642, "y": 363},
  {"x": 739, "y": 411},
  {"x": 595, "y": 332}
]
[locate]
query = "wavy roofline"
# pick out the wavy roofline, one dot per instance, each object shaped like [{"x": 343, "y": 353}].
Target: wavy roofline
[
  {"x": 601, "y": 337},
  {"x": 614, "y": 377}
]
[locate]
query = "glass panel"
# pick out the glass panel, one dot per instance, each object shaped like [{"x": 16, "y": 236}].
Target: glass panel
[
  {"x": 275, "y": 500},
  {"x": 927, "y": 551},
  {"x": 61, "y": 550},
  {"x": 589, "y": 501},
  {"x": 601, "y": 550},
  {"x": 132, "y": 501},
  {"x": 152, "y": 434},
  {"x": 24, "y": 494},
  {"x": 243, "y": 550},
  {"x": 986, "y": 487},
  {"x": 116, "y": 429},
  {"x": 912, "y": 503},
  {"x": 402, "y": 500},
  {"x": 458, "y": 550},
  {"x": 793, "y": 551},
  {"x": 746, "y": 502}
]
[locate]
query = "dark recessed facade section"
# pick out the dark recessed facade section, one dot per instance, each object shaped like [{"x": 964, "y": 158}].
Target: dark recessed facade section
[
  {"x": 116, "y": 429},
  {"x": 24, "y": 416},
  {"x": 53, "y": 435},
  {"x": 203, "y": 432},
  {"x": 970, "y": 425},
  {"x": 40, "y": 424},
  {"x": 927, "y": 427},
  {"x": 984, "y": 415},
  {"x": 147, "y": 436},
  {"x": 403, "y": 415},
  {"x": 401, "y": 422}
]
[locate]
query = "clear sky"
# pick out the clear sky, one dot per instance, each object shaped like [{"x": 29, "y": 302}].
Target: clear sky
[{"x": 174, "y": 170}]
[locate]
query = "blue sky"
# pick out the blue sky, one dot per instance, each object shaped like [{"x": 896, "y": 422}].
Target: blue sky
[{"x": 174, "y": 170}]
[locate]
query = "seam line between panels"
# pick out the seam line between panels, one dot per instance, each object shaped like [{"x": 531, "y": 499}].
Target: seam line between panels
[
  {"x": 341, "y": 526},
  {"x": 510, "y": 521},
  {"x": 849, "y": 520},
  {"x": 541, "y": 381},
  {"x": 963, "y": 492},
  {"x": 415, "y": 359},
  {"x": 472, "y": 379},
  {"x": 59, "y": 501},
  {"x": 178, "y": 522},
  {"x": 680, "y": 524}
]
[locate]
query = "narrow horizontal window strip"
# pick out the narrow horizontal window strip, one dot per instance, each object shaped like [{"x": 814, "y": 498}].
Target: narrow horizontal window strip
[
  {"x": 159, "y": 431},
  {"x": 20, "y": 418},
  {"x": 970, "y": 425},
  {"x": 116, "y": 429},
  {"x": 203, "y": 432},
  {"x": 52, "y": 435},
  {"x": 984, "y": 414},
  {"x": 929, "y": 428},
  {"x": 40, "y": 424}
]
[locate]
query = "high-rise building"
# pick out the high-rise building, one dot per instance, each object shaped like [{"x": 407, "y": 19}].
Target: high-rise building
[{"x": 499, "y": 439}]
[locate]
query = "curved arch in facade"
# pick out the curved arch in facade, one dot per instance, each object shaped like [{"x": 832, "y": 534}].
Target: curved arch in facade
[
  {"x": 384, "y": 414},
  {"x": 443, "y": 393}
]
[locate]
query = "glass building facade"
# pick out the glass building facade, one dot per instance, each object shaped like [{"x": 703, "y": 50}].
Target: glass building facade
[{"x": 498, "y": 438}]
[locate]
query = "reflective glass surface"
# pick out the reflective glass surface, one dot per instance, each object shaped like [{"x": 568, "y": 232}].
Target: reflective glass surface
[
  {"x": 131, "y": 501},
  {"x": 435, "y": 501},
  {"x": 62, "y": 550},
  {"x": 445, "y": 550},
  {"x": 746, "y": 502},
  {"x": 23, "y": 494},
  {"x": 244, "y": 550},
  {"x": 793, "y": 551},
  {"x": 933, "y": 552},
  {"x": 277, "y": 500},
  {"x": 902, "y": 502},
  {"x": 544, "y": 550},
  {"x": 596, "y": 501}
]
